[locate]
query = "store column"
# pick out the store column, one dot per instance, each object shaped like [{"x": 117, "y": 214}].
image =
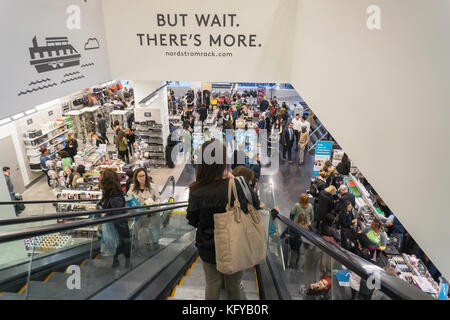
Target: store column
[{"x": 141, "y": 90}]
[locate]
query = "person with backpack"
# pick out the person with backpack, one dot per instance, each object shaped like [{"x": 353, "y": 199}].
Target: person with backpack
[
  {"x": 122, "y": 146},
  {"x": 112, "y": 197},
  {"x": 318, "y": 185}
]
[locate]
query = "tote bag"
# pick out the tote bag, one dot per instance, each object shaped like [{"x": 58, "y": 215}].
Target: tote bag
[{"x": 238, "y": 237}]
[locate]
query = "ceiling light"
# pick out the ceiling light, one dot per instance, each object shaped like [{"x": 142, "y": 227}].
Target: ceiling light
[{"x": 17, "y": 116}]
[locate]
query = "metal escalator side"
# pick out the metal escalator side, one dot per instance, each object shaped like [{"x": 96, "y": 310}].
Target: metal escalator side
[
  {"x": 84, "y": 268},
  {"x": 303, "y": 258}
]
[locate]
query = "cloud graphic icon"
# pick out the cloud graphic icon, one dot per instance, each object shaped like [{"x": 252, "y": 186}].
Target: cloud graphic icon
[{"x": 91, "y": 44}]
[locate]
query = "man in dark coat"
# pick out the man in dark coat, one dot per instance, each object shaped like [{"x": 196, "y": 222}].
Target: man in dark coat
[
  {"x": 263, "y": 105},
  {"x": 287, "y": 141}
]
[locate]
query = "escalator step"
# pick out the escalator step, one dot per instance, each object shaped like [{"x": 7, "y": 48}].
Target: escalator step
[
  {"x": 12, "y": 296},
  {"x": 59, "y": 277},
  {"x": 59, "y": 291}
]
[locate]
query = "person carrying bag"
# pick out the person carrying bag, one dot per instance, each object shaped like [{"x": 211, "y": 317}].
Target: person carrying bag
[{"x": 238, "y": 237}]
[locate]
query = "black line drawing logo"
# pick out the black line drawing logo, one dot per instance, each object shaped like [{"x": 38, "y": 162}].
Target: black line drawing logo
[
  {"x": 56, "y": 54},
  {"x": 91, "y": 44},
  {"x": 36, "y": 89},
  {"x": 71, "y": 74},
  {"x": 39, "y": 81},
  {"x": 88, "y": 65},
  {"x": 72, "y": 79}
]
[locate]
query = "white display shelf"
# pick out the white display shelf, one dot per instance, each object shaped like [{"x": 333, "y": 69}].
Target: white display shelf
[
  {"x": 364, "y": 196},
  {"x": 28, "y": 139},
  {"x": 37, "y": 147}
]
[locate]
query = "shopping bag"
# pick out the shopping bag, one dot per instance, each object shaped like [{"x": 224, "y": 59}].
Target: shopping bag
[
  {"x": 110, "y": 239},
  {"x": 238, "y": 237},
  {"x": 131, "y": 201}
]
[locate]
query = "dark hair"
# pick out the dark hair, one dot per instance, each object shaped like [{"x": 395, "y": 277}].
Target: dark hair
[
  {"x": 129, "y": 173},
  {"x": 207, "y": 174},
  {"x": 99, "y": 115},
  {"x": 81, "y": 169},
  {"x": 109, "y": 183},
  {"x": 343, "y": 206},
  {"x": 116, "y": 123},
  {"x": 6, "y": 168},
  {"x": 136, "y": 182},
  {"x": 344, "y": 158},
  {"x": 120, "y": 134},
  {"x": 64, "y": 154},
  {"x": 242, "y": 171}
]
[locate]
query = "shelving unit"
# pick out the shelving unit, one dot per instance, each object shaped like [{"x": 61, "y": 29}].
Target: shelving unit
[
  {"x": 77, "y": 120},
  {"x": 150, "y": 133},
  {"x": 32, "y": 145}
]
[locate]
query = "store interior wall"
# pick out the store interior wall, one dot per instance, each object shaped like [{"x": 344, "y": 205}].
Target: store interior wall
[{"x": 144, "y": 88}]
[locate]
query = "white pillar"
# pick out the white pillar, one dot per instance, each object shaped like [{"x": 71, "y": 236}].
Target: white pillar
[{"x": 160, "y": 106}]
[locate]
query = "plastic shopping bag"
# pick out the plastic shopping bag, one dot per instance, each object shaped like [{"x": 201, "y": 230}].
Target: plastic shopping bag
[
  {"x": 110, "y": 239},
  {"x": 131, "y": 201}
]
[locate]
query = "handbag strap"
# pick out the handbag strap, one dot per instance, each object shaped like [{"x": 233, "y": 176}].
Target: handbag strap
[
  {"x": 237, "y": 204},
  {"x": 245, "y": 188},
  {"x": 248, "y": 195}
]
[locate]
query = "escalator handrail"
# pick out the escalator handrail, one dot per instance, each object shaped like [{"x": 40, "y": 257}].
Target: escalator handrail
[
  {"x": 170, "y": 180},
  {"x": 48, "y": 229},
  {"x": 2, "y": 203},
  {"x": 53, "y": 216},
  {"x": 390, "y": 285}
]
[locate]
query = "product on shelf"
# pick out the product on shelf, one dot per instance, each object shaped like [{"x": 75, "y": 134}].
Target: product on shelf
[{"x": 48, "y": 242}]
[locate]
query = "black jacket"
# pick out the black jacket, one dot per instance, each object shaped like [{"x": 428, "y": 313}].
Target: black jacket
[
  {"x": 118, "y": 201},
  {"x": 345, "y": 220},
  {"x": 72, "y": 147},
  {"x": 203, "y": 113},
  {"x": 285, "y": 137},
  {"x": 263, "y": 106},
  {"x": 102, "y": 126},
  {"x": 206, "y": 201},
  {"x": 324, "y": 205},
  {"x": 347, "y": 197},
  {"x": 131, "y": 138},
  {"x": 343, "y": 168}
]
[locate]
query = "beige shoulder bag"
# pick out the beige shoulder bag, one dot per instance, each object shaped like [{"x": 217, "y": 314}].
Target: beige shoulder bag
[{"x": 238, "y": 237}]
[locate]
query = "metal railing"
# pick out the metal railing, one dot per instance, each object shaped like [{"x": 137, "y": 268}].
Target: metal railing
[
  {"x": 394, "y": 287},
  {"x": 41, "y": 230}
]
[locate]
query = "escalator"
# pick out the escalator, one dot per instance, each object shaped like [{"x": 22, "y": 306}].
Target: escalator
[
  {"x": 46, "y": 273},
  {"x": 192, "y": 285},
  {"x": 174, "y": 271}
]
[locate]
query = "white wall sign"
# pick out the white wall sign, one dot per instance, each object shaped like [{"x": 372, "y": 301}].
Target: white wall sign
[
  {"x": 199, "y": 38},
  {"x": 57, "y": 48}
]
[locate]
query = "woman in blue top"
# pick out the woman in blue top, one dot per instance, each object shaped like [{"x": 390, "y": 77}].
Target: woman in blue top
[{"x": 43, "y": 159}]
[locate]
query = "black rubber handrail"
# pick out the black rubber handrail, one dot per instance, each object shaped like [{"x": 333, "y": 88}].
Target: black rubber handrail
[
  {"x": 53, "y": 216},
  {"x": 48, "y": 229},
  {"x": 45, "y": 201},
  {"x": 394, "y": 287}
]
